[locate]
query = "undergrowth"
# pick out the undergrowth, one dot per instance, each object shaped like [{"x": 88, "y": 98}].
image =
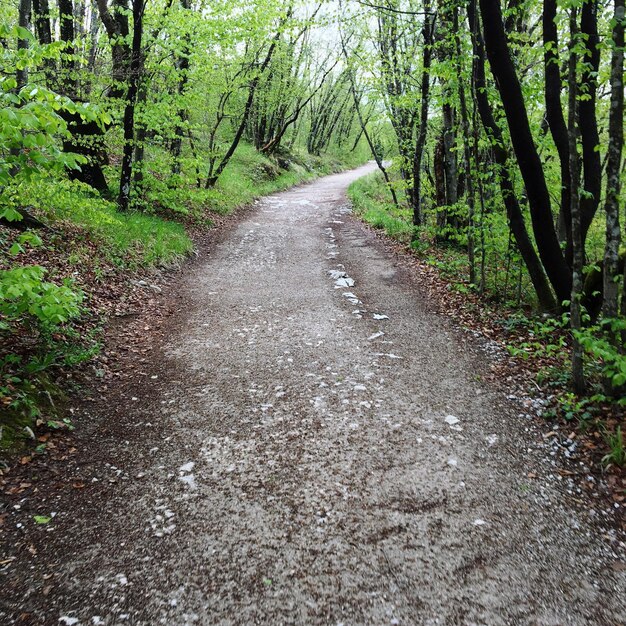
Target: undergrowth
[{"x": 543, "y": 343}]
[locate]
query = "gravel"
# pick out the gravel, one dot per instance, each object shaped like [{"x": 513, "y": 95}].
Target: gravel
[{"x": 290, "y": 461}]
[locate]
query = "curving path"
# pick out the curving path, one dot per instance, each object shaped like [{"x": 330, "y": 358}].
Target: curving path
[{"x": 311, "y": 445}]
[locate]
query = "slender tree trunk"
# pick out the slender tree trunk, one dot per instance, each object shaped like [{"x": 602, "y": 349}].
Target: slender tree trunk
[
  {"x": 116, "y": 24},
  {"x": 123, "y": 199},
  {"x": 427, "y": 38},
  {"x": 370, "y": 143},
  {"x": 141, "y": 132},
  {"x": 613, "y": 167},
  {"x": 588, "y": 123},
  {"x": 526, "y": 153},
  {"x": 68, "y": 64},
  {"x": 182, "y": 65},
  {"x": 41, "y": 10},
  {"x": 554, "y": 113},
  {"x": 514, "y": 213},
  {"x": 41, "y": 14},
  {"x": 578, "y": 379},
  {"x": 22, "y": 44},
  {"x": 467, "y": 156}
]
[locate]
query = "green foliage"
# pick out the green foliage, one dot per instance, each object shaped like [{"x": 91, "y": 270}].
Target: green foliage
[
  {"x": 371, "y": 201},
  {"x": 572, "y": 408},
  {"x": 605, "y": 343},
  {"x": 25, "y": 296},
  {"x": 617, "y": 447},
  {"x": 129, "y": 240},
  {"x": 548, "y": 338}
]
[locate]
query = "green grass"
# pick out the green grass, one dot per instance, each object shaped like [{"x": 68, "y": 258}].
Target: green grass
[
  {"x": 130, "y": 239},
  {"x": 155, "y": 236},
  {"x": 371, "y": 202}
]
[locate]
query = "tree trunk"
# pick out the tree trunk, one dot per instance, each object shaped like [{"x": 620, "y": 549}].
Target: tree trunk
[
  {"x": 467, "y": 156},
  {"x": 526, "y": 153},
  {"x": 68, "y": 65},
  {"x": 116, "y": 24},
  {"x": 501, "y": 156},
  {"x": 182, "y": 66},
  {"x": 420, "y": 142},
  {"x": 613, "y": 166},
  {"x": 123, "y": 199},
  {"x": 368, "y": 138},
  {"x": 578, "y": 378},
  {"x": 554, "y": 113},
  {"x": 22, "y": 44},
  {"x": 587, "y": 120},
  {"x": 86, "y": 138}
]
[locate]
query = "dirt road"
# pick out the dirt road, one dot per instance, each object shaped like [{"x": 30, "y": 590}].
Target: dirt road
[{"x": 313, "y": 446}]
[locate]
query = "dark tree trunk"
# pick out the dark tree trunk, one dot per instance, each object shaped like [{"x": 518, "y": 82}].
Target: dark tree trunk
[
  {"x": 467, "y": 155},
  {"x": 588, "y": 123},
  {"x": 554, "y": 113},
  {"x": 68, "y": 65},
  {"x": 526, "y": 153},
  {"x": 578, "y": 378},
  {"x": 41, "y": 11},
  {"x": 440, "y": 176},
  {"x": 86, "y": 138},
  {"x": 182, "y": 65},
  {"x": 123, "y": 199},
  {"x": 501, "y": 156},
  {"x": 613, "y": 167},
  {"x": 116, "y": 24},
  {"x": 22, "y": 44},
  {"x": 427, "y": 39}
]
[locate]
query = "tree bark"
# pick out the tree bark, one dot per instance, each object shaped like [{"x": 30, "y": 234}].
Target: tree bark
[
  {"x": 613, "y": 166},
  {"x": 554, "y": 112},
  {"x": 368, "y": 138},
  {"x": 588, "y": 123},
  {"x": 526, "y": 153},
  {"x": 467, "y": 156},
  {"x": 427, "y": 39},
  {"x": 182, "y": 66},
  {"x": 517, "y": 224},
  {"x": 68, "y": 65},
  {"x": 578, "y": 378},
  {"x": 123, "y": 199},
  {"x": 25, "y": 8}
]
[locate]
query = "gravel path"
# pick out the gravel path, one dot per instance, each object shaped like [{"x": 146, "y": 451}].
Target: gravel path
[{"x": 313, "y": 446}]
